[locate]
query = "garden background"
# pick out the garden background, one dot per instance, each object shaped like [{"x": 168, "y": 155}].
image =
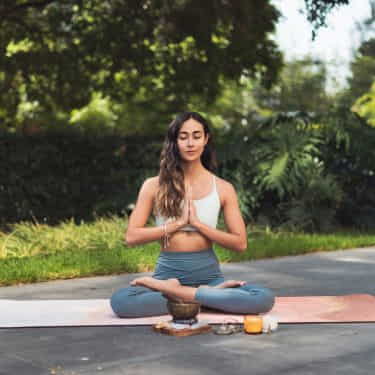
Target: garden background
[{"x": 89, "y": 88}]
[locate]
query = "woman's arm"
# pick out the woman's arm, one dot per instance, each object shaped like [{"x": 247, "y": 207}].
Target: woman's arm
[
  {"x": 136, "y": 232},
  {"x": 236, "y": 237}
]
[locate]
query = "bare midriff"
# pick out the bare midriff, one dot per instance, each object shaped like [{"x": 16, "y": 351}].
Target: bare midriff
[{"x": 187, "y": 241}]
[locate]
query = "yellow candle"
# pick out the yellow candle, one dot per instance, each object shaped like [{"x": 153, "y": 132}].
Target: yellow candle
[{"x": 253, "y": 324}]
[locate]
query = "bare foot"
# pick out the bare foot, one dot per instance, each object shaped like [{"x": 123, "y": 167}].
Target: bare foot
[
  {"x": 141, "y": 281},
  {"x": 171, "y": 288},
  {"x": 155, "y": 284},
  {"x": 230, "y": 284}
]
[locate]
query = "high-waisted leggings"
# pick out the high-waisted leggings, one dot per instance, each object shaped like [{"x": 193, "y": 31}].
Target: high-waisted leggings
[{"x": 192, "y": 268}]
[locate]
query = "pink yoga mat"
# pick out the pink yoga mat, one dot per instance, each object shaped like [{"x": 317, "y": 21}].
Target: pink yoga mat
[{"x": 97, "y": 312}]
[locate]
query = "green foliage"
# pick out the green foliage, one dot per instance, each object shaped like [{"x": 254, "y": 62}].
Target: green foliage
[
  {"x": 314, "y": 207},
  {"x": 309, "y": 170},
  {"x": 38, "y": 252},
  {"x": 49, "y": 177},
  {"x": 147, "y": 54},
  {"x": 300, "y": 88},
  {"x": 97, "y": 117},
  {"x": 365, "y": 106},
  {"x": 287, "y": 149},
  {"x": 147, "y": 51},
  {"x": 348, "y": 154},
  {"x": 317, "y": 11},
  {"x": 363, "y": 71},
  {"x": 267, "y": 163},
  {"x": 284, "y": 171}
]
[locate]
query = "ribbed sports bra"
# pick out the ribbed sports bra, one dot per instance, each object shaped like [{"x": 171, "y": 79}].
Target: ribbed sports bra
[{"x": 207, "y": 209}]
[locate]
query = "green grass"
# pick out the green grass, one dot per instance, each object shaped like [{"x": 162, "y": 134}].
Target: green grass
[{"x": 37, "y": 252}]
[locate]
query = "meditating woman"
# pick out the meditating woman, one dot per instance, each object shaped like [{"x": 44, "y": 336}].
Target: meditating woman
[{"x": 186, "y": 198}]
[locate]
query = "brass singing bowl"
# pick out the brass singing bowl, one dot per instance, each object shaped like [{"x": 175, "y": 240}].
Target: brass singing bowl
[{"x": 183, "y": 310}]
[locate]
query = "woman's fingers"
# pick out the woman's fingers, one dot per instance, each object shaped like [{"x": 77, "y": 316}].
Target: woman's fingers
[{"x": 190, "y": 192}]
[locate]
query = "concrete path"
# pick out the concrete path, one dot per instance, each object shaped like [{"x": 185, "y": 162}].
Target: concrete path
[{"x": 293, "y": 349}]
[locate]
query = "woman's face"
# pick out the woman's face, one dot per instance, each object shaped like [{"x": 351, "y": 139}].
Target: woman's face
[{"x": 191, "y": 140}]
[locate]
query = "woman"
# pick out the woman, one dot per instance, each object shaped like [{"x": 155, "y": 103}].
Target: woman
[{"x": 190, "y": 196}]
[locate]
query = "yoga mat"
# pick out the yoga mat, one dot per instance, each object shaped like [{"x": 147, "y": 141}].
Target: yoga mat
[{"x": 97, "y": 312}]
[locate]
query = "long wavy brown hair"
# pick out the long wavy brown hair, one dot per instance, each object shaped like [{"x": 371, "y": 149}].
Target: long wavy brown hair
[{"x": 171, "y": 192}]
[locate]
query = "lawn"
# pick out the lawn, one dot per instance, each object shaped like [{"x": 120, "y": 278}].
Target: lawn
[{"x": 33, "y": 252}]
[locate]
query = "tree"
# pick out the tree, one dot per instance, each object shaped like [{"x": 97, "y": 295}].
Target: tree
[
  {"x": 57, "y": 54},
  {"x": 363, "y": 69},
  {"x": 317, "y": 11},
  {"x": 300, "y": 87},
  {"x": 365, "y": 106},
  {"x": 63, "y": 52}
]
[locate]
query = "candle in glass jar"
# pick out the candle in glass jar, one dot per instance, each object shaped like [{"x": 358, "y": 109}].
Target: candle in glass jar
[{"x": 253, "y": 324}]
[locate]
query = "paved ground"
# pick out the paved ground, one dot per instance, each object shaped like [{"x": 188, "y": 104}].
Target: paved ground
[{"x": 293, "y": 349}]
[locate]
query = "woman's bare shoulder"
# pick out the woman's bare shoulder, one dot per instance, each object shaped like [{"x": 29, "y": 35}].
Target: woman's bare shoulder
[
  {"x": 225, "y": 189},
  {"x": 152, "y": 184},
  {"x": 224, "y": 184}
]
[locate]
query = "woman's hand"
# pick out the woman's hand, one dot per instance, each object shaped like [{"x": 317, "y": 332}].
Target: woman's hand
[
  {"x": 184, "y": 219},
  {"x": 189, "y": 213},
  {"x": 193, "y": 218}
]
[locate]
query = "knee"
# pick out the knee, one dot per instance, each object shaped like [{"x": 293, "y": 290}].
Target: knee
[
  {"x": 120, "y": 303},
  {"x": 265, "y": 298}
]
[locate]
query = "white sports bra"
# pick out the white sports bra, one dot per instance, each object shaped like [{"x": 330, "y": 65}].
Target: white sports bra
[{"x": 207, "y": 208}]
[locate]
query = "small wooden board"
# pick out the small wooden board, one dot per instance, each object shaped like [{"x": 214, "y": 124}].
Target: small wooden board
[{"x": 165, "y": 327}]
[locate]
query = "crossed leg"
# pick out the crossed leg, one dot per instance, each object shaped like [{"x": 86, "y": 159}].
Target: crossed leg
[
  {"x": 148, "y": 296},
  {"x": 175, "y": 291}
]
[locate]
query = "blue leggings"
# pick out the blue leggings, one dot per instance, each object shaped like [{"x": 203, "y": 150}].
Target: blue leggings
[{"x": 191, "y": 268}]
